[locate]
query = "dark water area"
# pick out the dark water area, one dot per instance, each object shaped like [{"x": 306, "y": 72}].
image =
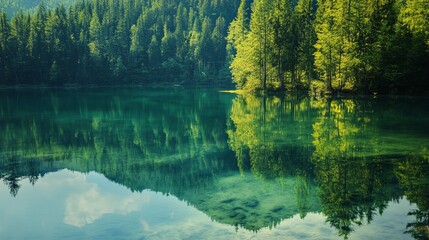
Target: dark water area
[{"x": 173, "y": 163}]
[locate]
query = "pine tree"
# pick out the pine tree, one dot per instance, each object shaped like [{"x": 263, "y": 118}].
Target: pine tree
[
  {"x": 5, "y": 48},
  {"x": 36, "y": 44}
]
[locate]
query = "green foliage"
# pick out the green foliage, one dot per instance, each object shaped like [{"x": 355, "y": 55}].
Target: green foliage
[
  {"x": 5, "y": 35},
  {"x": 362, "y": 46},
  {"x": 275, "y": 51},
  {"x": 11, "y": 7},
  {"x": 119, "y": 42},
  {"x": 416, "y": 16}
]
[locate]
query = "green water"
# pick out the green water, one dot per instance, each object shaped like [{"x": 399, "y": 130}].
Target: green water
[{"x": 201, "y": 164}]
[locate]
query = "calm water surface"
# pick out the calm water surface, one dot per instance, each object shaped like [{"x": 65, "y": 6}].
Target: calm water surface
[{"x": 201, "y": 164}]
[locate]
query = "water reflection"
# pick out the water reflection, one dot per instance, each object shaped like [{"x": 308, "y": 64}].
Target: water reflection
[
  {"x": 413, "y": 176},
  {"x": 344, "y": 145},
  {"x": 355, "y": 179},
  {"x": 246, "y": 161},
  {"x": 271, "y": 136},
  {"x": 147, "y": 141}
]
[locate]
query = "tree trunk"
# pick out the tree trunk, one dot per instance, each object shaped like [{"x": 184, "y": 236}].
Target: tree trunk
[
  {"x": 264, "y": 76},
  {"x": 280, "y": 71}
]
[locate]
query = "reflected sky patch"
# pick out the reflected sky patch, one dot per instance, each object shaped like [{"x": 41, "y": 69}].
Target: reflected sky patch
[{"x": 73, "y": 205}]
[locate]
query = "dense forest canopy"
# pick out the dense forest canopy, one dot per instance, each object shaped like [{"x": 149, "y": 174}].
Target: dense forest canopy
[
  {"x": 332, "y": 45},
  {"x": 324, "y": 46},
  {"x": 10, "y": 7},
  {"x": 116, "y": 42}
]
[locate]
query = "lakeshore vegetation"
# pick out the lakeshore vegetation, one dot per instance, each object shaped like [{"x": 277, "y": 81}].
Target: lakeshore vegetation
[{"x": 325, "y": 46}]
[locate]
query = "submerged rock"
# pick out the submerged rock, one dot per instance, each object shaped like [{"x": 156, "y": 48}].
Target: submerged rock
[
  {"x": 277, "y": 209},
  {"x": 229, "y": 200},
  {"x": 251, "y": 203}
]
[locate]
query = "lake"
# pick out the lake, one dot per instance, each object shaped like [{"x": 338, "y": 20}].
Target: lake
[{"x": 173, "y": 163}]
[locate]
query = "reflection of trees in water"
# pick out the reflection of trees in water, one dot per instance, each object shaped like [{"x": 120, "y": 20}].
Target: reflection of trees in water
[
  {"x": 413, "y": 175},
  {"x": 12, "y": 182},
  {"x": 354, "y": 184},
  {"x": 180, "y": 149},
  {"x": 353, "y": 191},
  {"x": 135, "y": 141},
  {"x": 14, "y": 170},
  {"x": 356, "y": 174},
  {"x": 271, "y": 138},
  {"x": 268, "y": 135}
]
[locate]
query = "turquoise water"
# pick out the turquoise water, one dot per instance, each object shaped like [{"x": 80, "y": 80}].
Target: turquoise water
[{"x": 201, "y": 164}]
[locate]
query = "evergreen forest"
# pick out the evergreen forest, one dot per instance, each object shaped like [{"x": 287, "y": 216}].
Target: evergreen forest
[{"x": 322, "y": 46}]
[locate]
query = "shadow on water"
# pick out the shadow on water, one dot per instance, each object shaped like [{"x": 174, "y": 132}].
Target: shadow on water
[{"x": 248, "y": 161}]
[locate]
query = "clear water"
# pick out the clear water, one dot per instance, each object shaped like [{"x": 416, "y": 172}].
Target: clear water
[{"x": 202, "y": 164}]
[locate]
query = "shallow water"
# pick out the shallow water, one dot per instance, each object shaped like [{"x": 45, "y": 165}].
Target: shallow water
[{"x": 200, "y": 164}]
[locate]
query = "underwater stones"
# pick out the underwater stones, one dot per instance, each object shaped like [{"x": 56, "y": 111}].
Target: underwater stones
[
  {"x": 251, "y": 203},
  {"x": 269, "y": 218},
  {"x": 240, "y": 217},
  {"x": 277, "y": 209},
  {"x": 229, "y": 200},
  {"x": 239, "y": 209},
  {"x": 235, "y": 211},
  {"x": 238, "y": 214},
  {"x": 232, "y": 214}
]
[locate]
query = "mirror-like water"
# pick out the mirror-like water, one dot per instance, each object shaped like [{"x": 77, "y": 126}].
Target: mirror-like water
[{"x": 200, "y": 164}]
